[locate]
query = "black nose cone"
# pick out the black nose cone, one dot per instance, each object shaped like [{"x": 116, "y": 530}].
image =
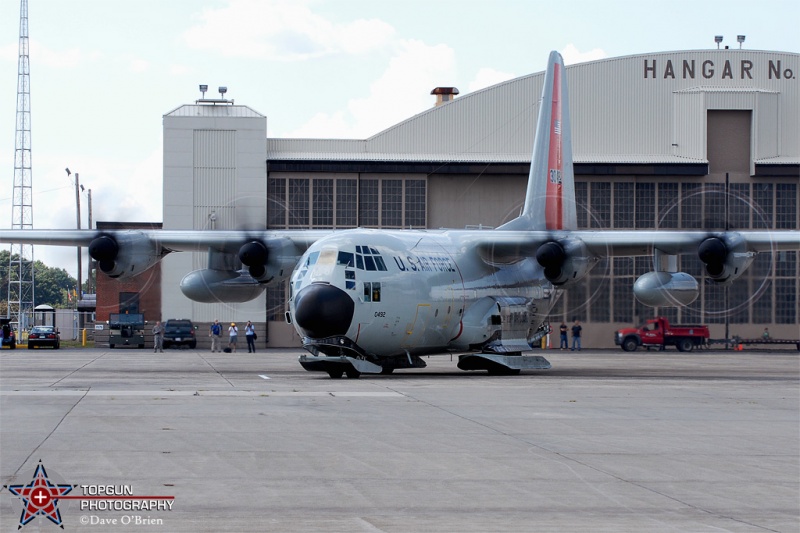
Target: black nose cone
[{"x": 322, "y": 310}]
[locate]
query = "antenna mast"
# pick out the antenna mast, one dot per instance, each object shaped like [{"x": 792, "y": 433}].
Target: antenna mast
[{"x": 20, "y": 271}]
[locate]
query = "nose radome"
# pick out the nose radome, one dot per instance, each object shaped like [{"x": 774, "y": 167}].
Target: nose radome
[{"x": 322, "y": 310}]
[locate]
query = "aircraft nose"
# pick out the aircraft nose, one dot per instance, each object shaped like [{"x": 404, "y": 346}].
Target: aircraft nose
[{"x": 322, "y": 310}]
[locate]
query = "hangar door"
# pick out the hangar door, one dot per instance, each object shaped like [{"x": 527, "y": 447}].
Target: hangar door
[{"x": 728, "y": 141}]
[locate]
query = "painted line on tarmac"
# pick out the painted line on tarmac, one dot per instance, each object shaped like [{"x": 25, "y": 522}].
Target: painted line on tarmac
[{"x": 241, "y": 393}]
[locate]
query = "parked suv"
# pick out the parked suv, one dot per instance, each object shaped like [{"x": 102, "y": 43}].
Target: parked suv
[{"x": 179, "y": 332}]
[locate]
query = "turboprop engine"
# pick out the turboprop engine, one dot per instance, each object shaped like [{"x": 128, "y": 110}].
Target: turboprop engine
[
  {"x": 726, "y": 257},
  {"x": 565, "y": 261},
  {"x": 672, "y": 289},
  {"x": 243, "y": 276},
  {"x": 125, "y": 254}
]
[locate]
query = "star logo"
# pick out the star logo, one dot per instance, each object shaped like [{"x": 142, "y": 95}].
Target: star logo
[{"x": 40, "y": 497}]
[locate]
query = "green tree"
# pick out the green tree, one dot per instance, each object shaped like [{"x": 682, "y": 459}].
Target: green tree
[{"x": 50, "y": 284}]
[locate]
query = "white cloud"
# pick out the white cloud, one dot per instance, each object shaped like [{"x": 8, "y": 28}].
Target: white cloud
[
  {"x": 402, "y": 91},
  {"x": 572, "y": 55},
  {"x": 139, "y": 65},
  {"x": 40, "y": 55},
  {"x": 487, "y": 77},
  {"x": 281, "y": 30},
  {"x": 179, "y": 70}
]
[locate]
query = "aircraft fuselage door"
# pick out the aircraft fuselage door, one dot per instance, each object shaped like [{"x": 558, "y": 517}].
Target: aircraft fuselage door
[{"x": 415, "y": 331}]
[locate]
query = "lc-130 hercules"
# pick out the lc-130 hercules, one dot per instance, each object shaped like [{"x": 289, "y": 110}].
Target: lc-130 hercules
[{"x": 371, "y": 301}]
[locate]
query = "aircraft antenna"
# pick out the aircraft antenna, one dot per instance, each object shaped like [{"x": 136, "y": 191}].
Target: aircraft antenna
[{"x": 20, "y": 267}]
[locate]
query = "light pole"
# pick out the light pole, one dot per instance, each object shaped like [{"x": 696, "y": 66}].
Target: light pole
[
  {"x": 91, "y": 270},
  {"x": 78, "y": 213}
]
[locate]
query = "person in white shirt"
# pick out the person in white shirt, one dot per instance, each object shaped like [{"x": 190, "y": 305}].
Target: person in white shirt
[{"x": 233, "y": 332}]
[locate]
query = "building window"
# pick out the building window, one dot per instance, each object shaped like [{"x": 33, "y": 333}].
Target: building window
[
  {"x": 785, "y": 301},
  {"x": 786, "y": 206},
  {"x": 392, "y": 204},
  {"x": 415, "y": 204},
  {"x": 368, "y": 203},
  {"x": 298, "y": 203},
  {"x": 692, "y": 206},
  {"x": 668, "y": 209},
  {"x": 739, "y": 301},
  {"x": 762, "y": 198},
  {"x": 645, "y": 205},
  {"x": 276, "y": 300},
  {"x": 714, "y": 214},
  {"x": 323, "y": 203},
  {"x": 346, "y": 203},
  {"x": 582, "y": 203},
  {"x": 739, "y": 206},
  {"x": 599, "y": 302},
  {"x": 623, "y": 205},
  {"x": 600, "y": 201},
  {"x": 762, "y": 303},
  {"x": 276, "y": 203}
]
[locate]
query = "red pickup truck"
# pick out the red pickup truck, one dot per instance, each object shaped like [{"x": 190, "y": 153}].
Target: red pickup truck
[{"x": 659, "y": 332}]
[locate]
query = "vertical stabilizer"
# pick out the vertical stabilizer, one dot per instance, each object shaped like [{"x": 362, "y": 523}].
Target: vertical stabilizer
[{"x": 550, "y": 198}]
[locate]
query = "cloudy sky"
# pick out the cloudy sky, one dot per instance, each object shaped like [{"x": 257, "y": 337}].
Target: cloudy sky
[{"x": 104, "y": 72}]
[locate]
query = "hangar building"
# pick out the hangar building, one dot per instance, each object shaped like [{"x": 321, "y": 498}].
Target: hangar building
[{"x": 701, "y": 139}]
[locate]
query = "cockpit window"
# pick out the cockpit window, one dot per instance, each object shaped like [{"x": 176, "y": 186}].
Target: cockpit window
[
  {"x": 312, "y": 258},
  {"x": 368, "y": 258},
  {"x": 345, "y": 258},
  {"x": 372, "y": 292}
]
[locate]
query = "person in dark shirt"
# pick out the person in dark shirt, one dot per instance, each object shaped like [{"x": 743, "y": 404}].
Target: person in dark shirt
[
  {"x": 563, "y": 331},
  {"x": 576, "y": 335}
]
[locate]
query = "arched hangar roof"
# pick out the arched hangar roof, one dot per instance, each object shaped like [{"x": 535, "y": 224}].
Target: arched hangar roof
[{"x": 641, "y": 109}]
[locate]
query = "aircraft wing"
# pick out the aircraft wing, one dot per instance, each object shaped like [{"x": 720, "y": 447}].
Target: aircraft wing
[
  {"x": 515, "y": 245},
  {"x": 229, "y": 241}
]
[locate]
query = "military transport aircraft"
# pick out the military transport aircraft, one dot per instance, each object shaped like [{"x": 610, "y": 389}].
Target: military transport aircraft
[{"x": 371, "y": 301}]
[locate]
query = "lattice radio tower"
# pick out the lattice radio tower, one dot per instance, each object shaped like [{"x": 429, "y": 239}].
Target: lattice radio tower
[{"x": 20, "y": 268}]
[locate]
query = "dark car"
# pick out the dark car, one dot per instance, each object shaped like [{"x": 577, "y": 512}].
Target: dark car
[
  {"x": 179, "y": 332},
  {"x": 44, "y": 336},
  {"x": 9, "y": 336}
]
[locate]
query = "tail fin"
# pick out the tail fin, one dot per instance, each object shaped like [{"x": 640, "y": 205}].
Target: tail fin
[{"x": 550, "y": 198}]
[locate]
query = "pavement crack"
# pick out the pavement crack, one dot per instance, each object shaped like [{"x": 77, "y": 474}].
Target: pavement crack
[
  {"x": 216, "y": 371},
  {"x": 77, "y": 370},
  {"x": 16, "y": 472}
]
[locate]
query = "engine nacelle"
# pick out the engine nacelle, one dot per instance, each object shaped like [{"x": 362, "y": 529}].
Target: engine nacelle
[
  {"x": 213, "y": 286},
  {"x": 266, "y": 262},
  {"x": 565, "y": 261},
  {"x": 124, "y": 254},
  {"x": 726, "y": 257},
  {"x": 673, "y": 289}
]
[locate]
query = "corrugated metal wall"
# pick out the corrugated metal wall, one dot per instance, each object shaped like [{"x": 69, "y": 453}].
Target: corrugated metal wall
[
  {"x": 623, "y": 109},
  {"x": 214, "y": 177}
]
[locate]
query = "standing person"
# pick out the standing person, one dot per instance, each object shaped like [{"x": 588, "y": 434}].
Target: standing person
[
  {"x": 576, "y": 335},
  {"x": 563, "y": 330},
  {"x": 216, "y": 335},
  {"x": 250, "y": 335},
  {"x": 158, "y": 337},
  {"x": 233, "y": 333}
]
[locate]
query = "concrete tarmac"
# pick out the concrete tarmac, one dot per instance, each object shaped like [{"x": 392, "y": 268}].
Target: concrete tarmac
[{"x": 604, "y": 441}]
